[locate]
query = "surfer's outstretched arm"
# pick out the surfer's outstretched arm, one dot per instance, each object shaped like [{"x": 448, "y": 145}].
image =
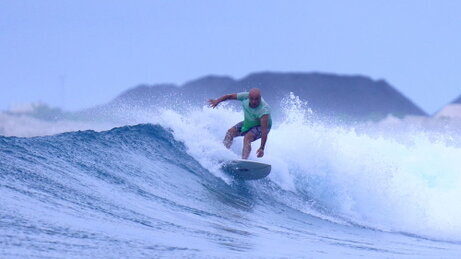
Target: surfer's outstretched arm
[{"x": 214, "y": 102}]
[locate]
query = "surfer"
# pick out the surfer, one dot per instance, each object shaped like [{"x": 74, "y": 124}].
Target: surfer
[{"x": 256, "y": 124}]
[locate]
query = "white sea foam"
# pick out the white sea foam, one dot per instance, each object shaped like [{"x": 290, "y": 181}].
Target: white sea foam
[
  {"x": 27, "y": 126},
  {"x": 407, "y": 183}
]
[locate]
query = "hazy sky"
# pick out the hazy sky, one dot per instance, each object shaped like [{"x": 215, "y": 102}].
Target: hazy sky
[{"x": 76, "y": 54}]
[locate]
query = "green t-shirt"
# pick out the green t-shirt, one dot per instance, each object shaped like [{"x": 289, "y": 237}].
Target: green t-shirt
[{"x": 253, "y": 116}]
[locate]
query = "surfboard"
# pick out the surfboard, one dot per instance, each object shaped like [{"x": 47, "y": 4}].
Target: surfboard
[{"x": 246, "y": 169}]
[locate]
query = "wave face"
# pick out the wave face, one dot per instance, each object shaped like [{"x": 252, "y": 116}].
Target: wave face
[{"x": 155, "y": 189}]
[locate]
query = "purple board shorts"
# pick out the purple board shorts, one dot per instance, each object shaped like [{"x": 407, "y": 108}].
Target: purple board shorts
[{"x": 255, "y": 130}]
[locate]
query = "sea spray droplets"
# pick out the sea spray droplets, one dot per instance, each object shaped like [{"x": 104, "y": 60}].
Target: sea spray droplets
[{"x": 295, "y": 109}]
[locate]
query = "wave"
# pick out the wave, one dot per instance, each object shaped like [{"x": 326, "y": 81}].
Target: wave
[{"x": 160, "y": 183}]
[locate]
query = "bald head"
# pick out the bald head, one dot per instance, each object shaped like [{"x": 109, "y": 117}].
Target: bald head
[
  {"x": 255, "y": 92},
  {"x": 255, "y": 97}
]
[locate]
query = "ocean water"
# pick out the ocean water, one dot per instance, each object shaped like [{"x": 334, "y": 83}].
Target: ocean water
[{"x": 153, "y": 188}]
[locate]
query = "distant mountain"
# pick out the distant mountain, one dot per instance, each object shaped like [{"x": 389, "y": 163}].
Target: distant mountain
[
  {"x": 458, "y": 100},
  {"x": 451, "y": 111},
  {"x": 328, "y": 95}
]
